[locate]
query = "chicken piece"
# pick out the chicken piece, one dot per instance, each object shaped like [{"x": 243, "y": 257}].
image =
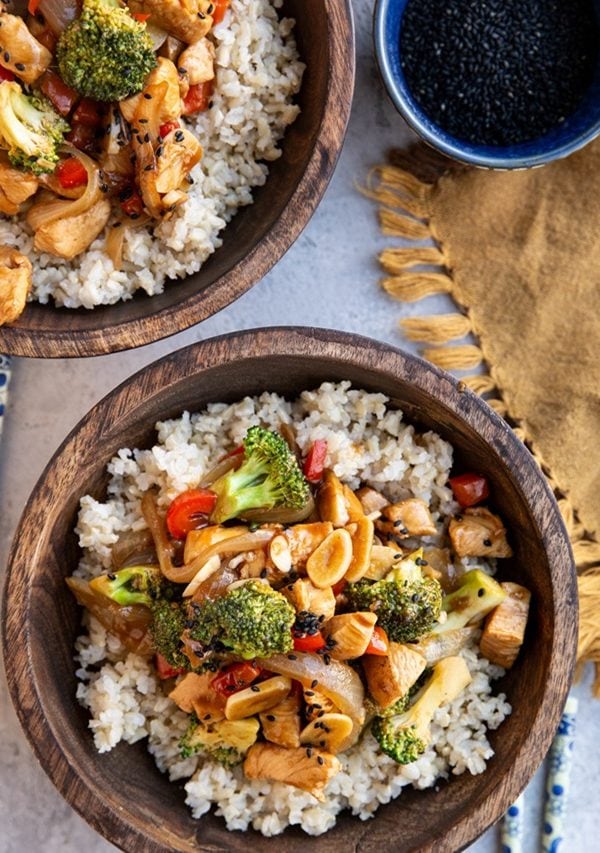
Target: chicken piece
[
  {"x": 317, "y": 703},
  {"x": 309, "y": 772},
  {"x": 180, "y": 153},
  {"x": 281, "y": 724},
  {"x": 302, "y": 595},
  {"x": 478, "y": 533},
  {"x": 439, "y": 566},
  {"x": 331, "y": 501},
  {"x": 304, "y": 539},
  {"x": 194, "y": 693},
  {"x": 187, "y": 20},
  {"x": 353, "y": 505},
  {"x": 15, "y": 283},
  {"x": 116, "y": 159},
  {"x": 390, "y": 678},
  {"x": 20, "y": 52},
  {"x": 406, "y": 518},
  {"x": 350, "y": 634},
  {"x": 504, "y": 629},
  {"x": 71, "y": 235},
  {"x": 197, "y": 62},
  {"x": 168, "y": 106},
  {"x": 371, "y": 500},
  {"x": 15, "y": 186}
]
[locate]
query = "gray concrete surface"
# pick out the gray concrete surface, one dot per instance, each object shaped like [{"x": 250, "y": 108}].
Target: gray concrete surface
[{"x": 329, "y": 278}]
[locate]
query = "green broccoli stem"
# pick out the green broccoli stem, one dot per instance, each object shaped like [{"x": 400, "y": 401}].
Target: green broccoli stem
[
  {"x": 244, "y": 489},
  {"x": 472, "y": 601}
]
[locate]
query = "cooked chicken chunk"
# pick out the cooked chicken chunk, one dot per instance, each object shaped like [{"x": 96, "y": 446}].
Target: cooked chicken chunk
[
  {"x": 197, "y": 62},
  {"x": 406, "y": 518},
  {"x": 15, "y": 186},
  {"x": 371, "y": 500},
  {"x": 390, "y": 678},
  {"x": 351, "y": 634},
  {"x": 27, "y": 58},
  {"x": 188, "y": 20},
  {"x": 504, "y": 630},
  {"x": 292, "y": 766},
  {"x": 281, "y": 724},
  {"x": 15, "y": 283},
  {"x": 194, "y": 693},
  {"x": 168, "y": 106},
  {"x": 331, "y": 501},
  {"x": 479, "y": 533},
  {"x": 180, "y": 153},
  {"x": 353, "y": 505},
  {"x": 71, "y": 235},
  {"x": 304, "y": 539},
  {"x": 302, "y": 595}
]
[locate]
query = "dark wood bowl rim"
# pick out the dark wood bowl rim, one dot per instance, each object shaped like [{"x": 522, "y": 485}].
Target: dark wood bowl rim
[
  {"x": 303, "y": 342},
  {"x": 188, "y": 311}
]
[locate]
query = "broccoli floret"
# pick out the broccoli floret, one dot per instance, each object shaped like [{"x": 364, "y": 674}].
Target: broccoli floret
[
  {"x": 252, "y": 620},
  {"x": 407, "y": 604},
  {"x": 405, "y": 737},
  {"x": 475, "y": 598},
  {"x": 105, "y": 53},
  {"x": 30, "y": 129},
  {"x": 145, "y": 585},
  {"x": 268, "y": 477},
  {"x": 226, "y": 741}
]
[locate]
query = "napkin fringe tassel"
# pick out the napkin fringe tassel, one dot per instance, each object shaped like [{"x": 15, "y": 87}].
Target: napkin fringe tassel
[{"x": 415, "y": 272}]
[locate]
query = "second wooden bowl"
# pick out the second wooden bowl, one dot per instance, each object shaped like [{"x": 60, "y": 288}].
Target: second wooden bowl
[
  {"x": 257, "y": 237},
  {"x": 122, "y": 794}
]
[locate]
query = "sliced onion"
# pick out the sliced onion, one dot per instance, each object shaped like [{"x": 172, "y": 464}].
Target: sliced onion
[
  {"x": 280, "y": 514},
  {"x": 216, "y": 585},
  {"x": 158, "y": 529},
  {"x": 235, "y": 545},
  {"x": 439, "y": 646},
  {"x": 336, "y": 680},
  {"x": 133, "y": 548},
  {"x": 45, "y": 212},
  {"x": 220, "y": 469},
  {"x": 208, "y": 569},
  {"x": 114, "y": 244},
  {"x": 157, "y": 34},
  {"x": 59, "y": 13},
  {"x": 130, "y": 623}
]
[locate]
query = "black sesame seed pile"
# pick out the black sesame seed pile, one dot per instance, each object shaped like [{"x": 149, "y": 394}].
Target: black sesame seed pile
[{"x": 499, "y": 72}]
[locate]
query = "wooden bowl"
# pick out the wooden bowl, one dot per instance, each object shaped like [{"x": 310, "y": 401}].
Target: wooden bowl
[
  {"x": 121, "y": 794},
  {"x": 257, "y": 237}
]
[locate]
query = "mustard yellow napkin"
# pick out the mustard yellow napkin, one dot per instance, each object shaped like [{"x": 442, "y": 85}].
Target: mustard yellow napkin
[{"x": 520, "y": 254}]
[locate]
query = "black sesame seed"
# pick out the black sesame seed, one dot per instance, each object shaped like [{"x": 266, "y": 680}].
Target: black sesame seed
[
  {"x": 481, "y": 593},
  {"x": 211, "y": 8},
  {"x": 487, "y": 543},
  {"x": 148, "y": 96},
  {"x": 309, "y": 752},
  {"x": 149, "y": 168},
  {"x": 320, "y": 758},
  {"x": 421, "y": 562},
  {"x": 255, "y": 688},
  {"x": 159, "y": 151},
  {"x": 309, "y": 693},
  {"x": 292, "y": 657},
  {"x": 143, "y": 121},
  {"x": 314, "y": 683},
  {"x": 327, "y": 659},
  {"x": 111, "y": 577},
  {"x": 263, "y": 573},
  {"x": 147, "y": 137},
  {"x": 271, "y": 718},
  {"x": 322, "y": 743},
  {"x": 6, "y": 56},
  {"x": 399, "y": 523},
  {"x": 207, "y": 716},
  {"x": 179, "y": 136},
  {"x": 19, "y": 66}
]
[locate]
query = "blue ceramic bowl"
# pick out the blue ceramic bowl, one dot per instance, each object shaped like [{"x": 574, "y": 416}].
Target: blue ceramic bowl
[{"x": 575, "y": 132}]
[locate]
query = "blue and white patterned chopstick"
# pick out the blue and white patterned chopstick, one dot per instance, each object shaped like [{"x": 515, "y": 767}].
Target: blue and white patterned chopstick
[
  {"x": 557, "y": 789},
  {"x": 560, "y": 759},
  {"x": 4, "y": 383},
  {"x": 511, "y": 834}
]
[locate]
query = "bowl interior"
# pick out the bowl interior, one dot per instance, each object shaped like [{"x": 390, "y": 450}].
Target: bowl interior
[
  {"x": 577, "y": 130},
  {"x": 256, "y": 237},
  {"x": 121, "y": 793}
]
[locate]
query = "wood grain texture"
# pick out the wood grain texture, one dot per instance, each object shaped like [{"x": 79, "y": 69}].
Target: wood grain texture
[
  {"x": 121, "y": 794},
  {"x": 256, "y": 238}
]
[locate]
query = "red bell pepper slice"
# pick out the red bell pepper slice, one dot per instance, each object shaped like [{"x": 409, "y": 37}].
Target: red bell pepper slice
[
  {"x": 62, "y": 97},
  {"x": 314, "y": 463},
  {"x": 469, "y": 489},
  {"x": 218, "y": 13},
  {"x": 339, "y": 587},
  {"x": 379, "y": 643},
  {"x": 164, "y": 668},
  {"x": 32, "y": 6},
  {"x": 142, "y": 17},
  {"x": 166, "y": 128},
  {"x": 132, "y": 205},
  {"x": 189, "y": 511},
  {"x": 308, "y": 642},
  {"x": 6, "y": 74},
  {"x": 198, "y": 98},
  {"x": 71, "y": 173},
  {"x": 235, "y": 677}
]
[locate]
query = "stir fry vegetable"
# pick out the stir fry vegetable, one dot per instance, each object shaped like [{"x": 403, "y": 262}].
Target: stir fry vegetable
[{"x": 288, "y": 640}]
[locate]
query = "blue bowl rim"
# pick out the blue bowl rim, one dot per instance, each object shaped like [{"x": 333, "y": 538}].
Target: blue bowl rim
[{"x": 454, "y": 149}]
